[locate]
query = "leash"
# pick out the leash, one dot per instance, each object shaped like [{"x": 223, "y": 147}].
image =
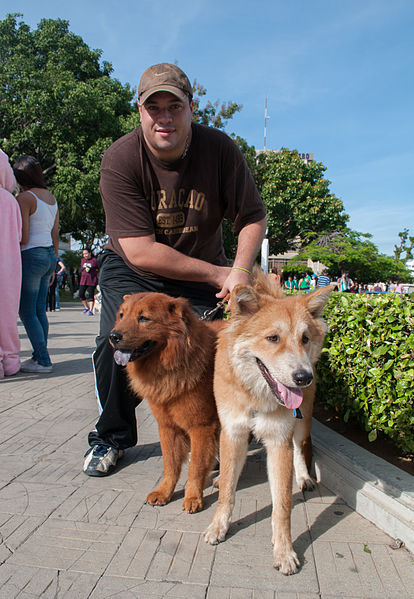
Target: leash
[{"x": 209, "y": 314}]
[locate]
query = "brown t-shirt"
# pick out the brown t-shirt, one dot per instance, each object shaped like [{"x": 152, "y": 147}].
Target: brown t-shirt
[{"x": 183, "y": 203}]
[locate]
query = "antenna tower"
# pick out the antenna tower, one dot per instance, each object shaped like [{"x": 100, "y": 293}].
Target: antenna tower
[{"x": 266, "y": 118}]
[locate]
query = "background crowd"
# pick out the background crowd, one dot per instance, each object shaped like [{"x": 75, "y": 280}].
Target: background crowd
[{"x": 309, "y": 282}]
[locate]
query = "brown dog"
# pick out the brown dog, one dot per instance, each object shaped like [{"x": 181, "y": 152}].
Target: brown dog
[
  {"x": 169, "y": 356},
  {"x": 265, "y": 357}
]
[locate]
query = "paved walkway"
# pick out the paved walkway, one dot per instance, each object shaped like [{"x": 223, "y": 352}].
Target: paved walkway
[{"x": 63, "y": 534}]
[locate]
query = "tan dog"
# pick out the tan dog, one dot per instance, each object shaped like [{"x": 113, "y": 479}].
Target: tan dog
[
  {"x": 169, "y": 356},
  {"x": 265, "y": 357}
]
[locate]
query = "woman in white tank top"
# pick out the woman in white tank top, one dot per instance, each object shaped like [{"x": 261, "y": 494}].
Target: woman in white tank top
[{"x": 39, "y": 245}]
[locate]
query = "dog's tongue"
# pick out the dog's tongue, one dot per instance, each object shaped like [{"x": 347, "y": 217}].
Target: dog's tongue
[
  {"x": 122, "y": 357},
  {"x": 292, "y": 398}
]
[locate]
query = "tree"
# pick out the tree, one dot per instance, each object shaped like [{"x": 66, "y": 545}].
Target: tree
[
  {"x": 297, "y": 198},
  {"x": 60, "y": 105},
  {"x": 353, "y": 252},
  {"x": 404, "y": 247},
  {"x": 212, "y": 114}
]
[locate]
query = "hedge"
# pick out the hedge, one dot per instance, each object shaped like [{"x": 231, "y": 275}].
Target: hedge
[{"x": 366, "y": 370}]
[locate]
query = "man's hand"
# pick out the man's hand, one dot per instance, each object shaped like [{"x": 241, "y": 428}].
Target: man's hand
[
  {"x": 249, "y": 241},
  {"x": 236, "y": 277}
]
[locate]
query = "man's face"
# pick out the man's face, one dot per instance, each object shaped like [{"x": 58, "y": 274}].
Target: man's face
[
  {"x": 86, "y": 254},
  {"x": 166, "y": 124}
]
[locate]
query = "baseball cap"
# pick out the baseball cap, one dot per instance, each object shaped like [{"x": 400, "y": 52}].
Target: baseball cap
[{"x": 164, "y": 77}]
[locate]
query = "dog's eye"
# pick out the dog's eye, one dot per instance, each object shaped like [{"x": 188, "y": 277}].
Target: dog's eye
[
  {"x": 142, "y": 318},
  {"x": 273, "y": 338},
  {"x": 305, "y": 339},
  {"x": 121, "y": 315}
]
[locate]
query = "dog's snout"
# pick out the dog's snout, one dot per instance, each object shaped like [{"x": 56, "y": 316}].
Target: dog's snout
[
  {"x": 115, "y": 337},
  {"x": 302, "y": 377}
]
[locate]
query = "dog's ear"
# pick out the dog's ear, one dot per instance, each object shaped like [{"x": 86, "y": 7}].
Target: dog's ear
[
  {"x": 126, "y": 296},
  {"x": 172, "y": 307},
  {"x": 316, "y": 301},
  {"x": 243, "y": 300},
  {"x": 181, "y": 308},
  {"x": 180, "y": 314},
  {"x": 266, "y": 284}
]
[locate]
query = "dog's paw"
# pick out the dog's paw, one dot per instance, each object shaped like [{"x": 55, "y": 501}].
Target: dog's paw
[
  {"x": 287, "y": 562},
  {"x": 216, "y": 532},
  {"x": 157, "y": 498},
  {"x": 305, "y": 483},
  {"x": 193, "y": 504}
]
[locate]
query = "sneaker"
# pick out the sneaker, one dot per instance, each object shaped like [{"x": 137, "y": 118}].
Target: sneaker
[
  {"x": 85, "y": 310},
  {"x": 28, "y": 362},
  {"x": 90, "y": 313},
  {"x": 35, "y": 367},
  {"x": 101, "y": 459}
]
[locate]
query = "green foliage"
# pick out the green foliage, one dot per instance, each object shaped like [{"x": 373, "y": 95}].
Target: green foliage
[
  {"x": 297, "y": 199},
  {"x": 294, "y": 269},
  {"x": 249, "y": 154},
  {"x": 353, "y": 252},
  {"x": 71, "y": 259},
  {"x": 60, "y": 104},
  {"x": 406, "y": 247},
  {"x": 212, "y": 114},
  {"x": 366, "y": 369}
]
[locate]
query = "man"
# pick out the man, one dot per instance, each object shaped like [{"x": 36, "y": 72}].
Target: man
[
  {"x": 344, "y": 283},
  {"x": 323, "y": 279},
  {"x": 166, "y": 188}
]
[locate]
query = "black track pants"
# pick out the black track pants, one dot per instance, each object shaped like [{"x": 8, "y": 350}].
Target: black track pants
[{"x": 117, "y": 424}]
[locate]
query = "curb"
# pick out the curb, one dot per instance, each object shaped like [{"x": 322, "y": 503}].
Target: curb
[{"x": 379, "y": 491}]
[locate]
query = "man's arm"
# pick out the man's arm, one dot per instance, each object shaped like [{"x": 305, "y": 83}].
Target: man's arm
[
  {"x": 148, "y": 254},
  {"x": 158, "y": 258},
  {"x": 248, "y": 246}
]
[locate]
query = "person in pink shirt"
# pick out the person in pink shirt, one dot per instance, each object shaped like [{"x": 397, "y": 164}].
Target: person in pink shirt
[
  {"x": 10, "y": 270},
  {"x": 88, "y": 281}
]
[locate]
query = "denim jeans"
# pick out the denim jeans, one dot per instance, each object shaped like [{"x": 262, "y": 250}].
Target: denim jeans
[{"x": 37, "y": 266}]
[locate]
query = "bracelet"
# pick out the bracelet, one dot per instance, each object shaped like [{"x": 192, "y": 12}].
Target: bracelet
[{"x": 243, "y": 269}]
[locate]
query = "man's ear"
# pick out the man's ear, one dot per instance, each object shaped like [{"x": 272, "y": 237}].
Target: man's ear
[{"x": 243, "y": 301}]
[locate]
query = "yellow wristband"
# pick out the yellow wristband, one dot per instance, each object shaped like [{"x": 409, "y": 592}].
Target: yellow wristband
[{"x": 243, "y": 269}]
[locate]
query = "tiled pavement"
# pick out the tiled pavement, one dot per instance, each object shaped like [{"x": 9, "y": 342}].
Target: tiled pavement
[{"x": 64, "y": 535}]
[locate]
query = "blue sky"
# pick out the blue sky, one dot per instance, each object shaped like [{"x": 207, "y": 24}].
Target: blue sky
[{"x": 338, "y": 77}]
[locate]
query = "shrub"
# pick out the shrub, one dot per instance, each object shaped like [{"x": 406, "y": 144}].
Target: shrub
[
  {"x": 366, "y": 370},
  {"x": 295, "y": 269}
]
